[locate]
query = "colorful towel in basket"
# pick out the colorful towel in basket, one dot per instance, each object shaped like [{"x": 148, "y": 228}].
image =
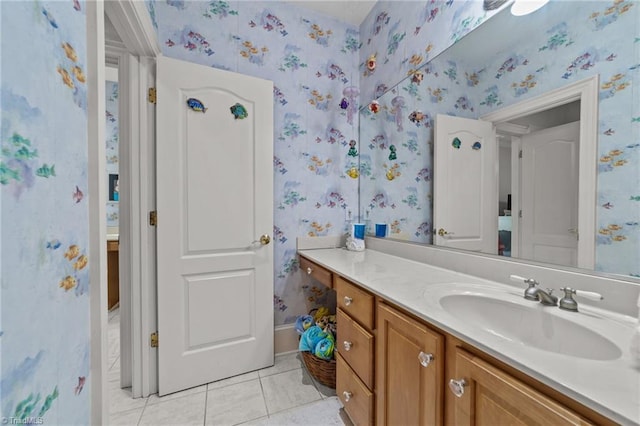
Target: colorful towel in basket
[{"x": 310, "y": 339}]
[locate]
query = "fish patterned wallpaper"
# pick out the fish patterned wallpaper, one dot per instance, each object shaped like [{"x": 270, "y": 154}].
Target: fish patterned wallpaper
[
  {"x": 564, "y": 42},
  {"x": 44, "y": 329},
  {"x": 111, "y": 137},
  {"x": 405, "y": 35},
  {"x": 396, "y": 160},
  {"x": 316, "y": 61},
  {"x": 312, "y": 60}
]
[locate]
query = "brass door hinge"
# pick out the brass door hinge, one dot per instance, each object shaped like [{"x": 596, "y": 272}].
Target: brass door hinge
[
  {"x": 153, "y": 218},
  {"x": 152, "y": 95},
  {"x": 154, "y": 340}
]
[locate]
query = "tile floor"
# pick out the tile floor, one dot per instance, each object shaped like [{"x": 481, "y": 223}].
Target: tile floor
[{"x": 281, "y": 395}]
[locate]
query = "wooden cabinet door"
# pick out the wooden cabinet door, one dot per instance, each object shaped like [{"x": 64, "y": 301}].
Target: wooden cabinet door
[
  {"x": 408, "y": 392},
  {"x": 491, "y": 397}
]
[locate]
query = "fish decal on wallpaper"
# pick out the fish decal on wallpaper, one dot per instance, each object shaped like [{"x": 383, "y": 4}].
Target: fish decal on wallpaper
[
  {"x": 70, "y": 51},
  {"x": 45, "y": 171},
  {"x": 77, "y": 72},
  {"x": 66, "y": 78},
  {"x": 50, "y": 18},
  {"x": 81, "y": 262},
  {"x": 220, "y": 9},
  {"x": 72, "y": 252},
  {"x": 77, "y": 195},
  {"x": 80, "y": 386},
  {"x": 24, "y": 154},
  {"x": 53, "y": 244},
  {"x": 68, "y": 283},
  {"x": 24, "y": 411},
  {"x": 48, "y": 401}
]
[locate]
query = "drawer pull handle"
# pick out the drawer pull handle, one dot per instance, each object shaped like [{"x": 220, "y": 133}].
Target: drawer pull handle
[
  {"x": 425, "y": 359},
  {"x": 347, "y": 300},
  {"x": 347, "y": 345},
  {"x": 309, "y": 270},
  {"x": 457, "y": 387},
  {"x": 347, "y": 396}
]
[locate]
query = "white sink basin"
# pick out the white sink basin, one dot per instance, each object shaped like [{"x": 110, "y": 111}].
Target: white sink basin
[{"x": 512, "y": 318}]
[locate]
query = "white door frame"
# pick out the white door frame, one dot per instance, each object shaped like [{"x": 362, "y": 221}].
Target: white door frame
[
  {"x": 96, "y": 167},
  {"x": 586, "y": 91},
  {"x": 137, "y": 175},
  {"x": 116, "y": 54},
  {"x": 133, "y": 24}
]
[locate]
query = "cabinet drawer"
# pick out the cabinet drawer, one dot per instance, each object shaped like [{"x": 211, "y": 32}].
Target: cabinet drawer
[
  {"x": 359, "y": 405},
  {"x": 316, "y": 271},
  {"x": 357, "y": 303},
  {"x": 355, "y": 344}
]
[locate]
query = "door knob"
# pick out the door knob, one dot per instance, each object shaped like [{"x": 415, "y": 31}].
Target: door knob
[
  {"x": 442, "y": 232},
  {"x": 347, "y": 396},
  {"x": 265, "y": 239}
]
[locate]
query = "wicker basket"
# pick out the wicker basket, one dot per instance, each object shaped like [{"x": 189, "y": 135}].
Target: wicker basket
[{"x": 321, "y": 370}]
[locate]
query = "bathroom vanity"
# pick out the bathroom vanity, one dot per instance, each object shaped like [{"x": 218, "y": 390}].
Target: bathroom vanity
[{"x": 420, "y": 344}]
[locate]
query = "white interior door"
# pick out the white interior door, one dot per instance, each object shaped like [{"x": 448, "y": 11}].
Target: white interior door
[
  {"x": 214, "y": 200},
  {"x": 549, "y": 183},
  {"x": 465, "y": 182}
]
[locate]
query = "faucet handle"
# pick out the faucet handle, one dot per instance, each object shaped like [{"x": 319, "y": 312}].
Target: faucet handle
[
  {"x": 591, "y": 295},
  {"x": 531, "y": 292},
  {"x": 568, "y": 302},
  {"x": 530, "y": 281}
]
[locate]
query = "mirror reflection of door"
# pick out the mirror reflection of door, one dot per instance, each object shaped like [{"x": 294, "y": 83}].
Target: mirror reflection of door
[
  {"x": 537, "y": 158},
  {"x": 465, "y": 184},
  {"x": 538, "y": 168},
  {"x": 549, "y": 179}
]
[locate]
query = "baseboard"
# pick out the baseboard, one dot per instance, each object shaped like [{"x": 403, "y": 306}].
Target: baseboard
[{"x": 285, "y": 339}]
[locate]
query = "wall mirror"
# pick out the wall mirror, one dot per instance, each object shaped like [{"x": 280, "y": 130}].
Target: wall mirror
[{"x": 561, "y": 184}]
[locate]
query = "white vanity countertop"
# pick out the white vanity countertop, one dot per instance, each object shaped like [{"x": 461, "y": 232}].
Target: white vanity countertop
[{"x": 610, "y": 387}]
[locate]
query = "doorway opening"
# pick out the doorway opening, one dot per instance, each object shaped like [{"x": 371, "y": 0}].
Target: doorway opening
[
  {"x": 540, "y": 152},
  {"x": 130, "y": 48},
  {"x": 576, "y": 103}
]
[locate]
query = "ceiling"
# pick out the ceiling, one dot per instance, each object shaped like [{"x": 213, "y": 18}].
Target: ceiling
[
  {"x": 351, "y": 11},
  {"x": 110, "y": 33}
]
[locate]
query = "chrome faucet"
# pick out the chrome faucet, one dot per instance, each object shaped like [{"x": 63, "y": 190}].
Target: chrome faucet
[
  {"x": 533, "y": 292},
  {"x": 546, "y": 298}
]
